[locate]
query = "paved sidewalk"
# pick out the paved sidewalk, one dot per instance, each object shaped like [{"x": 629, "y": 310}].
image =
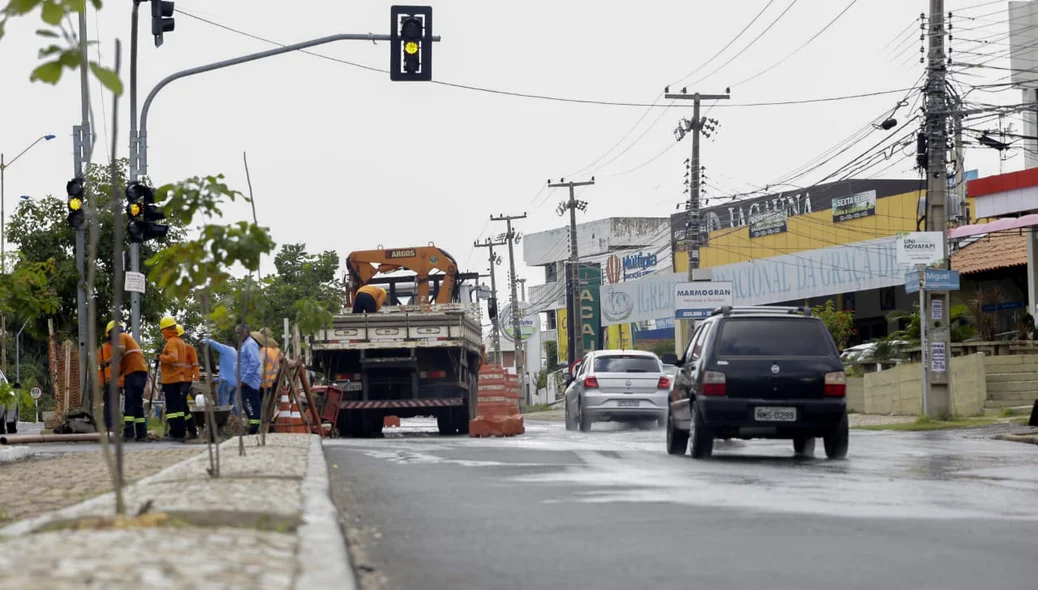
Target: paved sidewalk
[{"x": 267, "y": 522}]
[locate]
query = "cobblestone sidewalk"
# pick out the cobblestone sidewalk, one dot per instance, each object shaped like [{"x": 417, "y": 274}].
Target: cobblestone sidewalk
[
  {"x": 41, "y": 484},
  {"x": 266, "y": 522}
]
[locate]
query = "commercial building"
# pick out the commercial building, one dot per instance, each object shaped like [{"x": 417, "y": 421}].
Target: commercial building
[{"x": 612, "y": 250}]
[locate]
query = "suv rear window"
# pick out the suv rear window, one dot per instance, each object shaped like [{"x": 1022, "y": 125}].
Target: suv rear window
[
  {"x": 626, "y": 364},
  {"x": 787, "y": 337}
]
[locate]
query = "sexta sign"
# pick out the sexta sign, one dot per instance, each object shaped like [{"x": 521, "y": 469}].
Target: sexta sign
[{"x": 771, "y": 213}]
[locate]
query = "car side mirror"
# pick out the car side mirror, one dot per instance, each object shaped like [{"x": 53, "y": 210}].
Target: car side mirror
[
  {"x": 568, "y": 379},
  {"x": 670, "y": 359}
]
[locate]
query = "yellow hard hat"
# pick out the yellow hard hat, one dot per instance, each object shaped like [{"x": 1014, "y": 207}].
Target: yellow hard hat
[
  {"x": 180, "y": 330},
  {"x": 167, "y": 322},
  {"x": 108, "y": 328}
]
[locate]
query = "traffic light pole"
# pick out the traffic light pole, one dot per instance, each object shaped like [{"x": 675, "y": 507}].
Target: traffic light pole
[
  {"x": 135, "y": 248},
  {"x": 82, "y": 140},
  {"x": 141, "y": 140},
  {"x": 139, "y": 137}
]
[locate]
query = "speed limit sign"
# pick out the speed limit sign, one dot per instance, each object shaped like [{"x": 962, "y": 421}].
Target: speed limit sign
[{"x": 36, "y": 393}]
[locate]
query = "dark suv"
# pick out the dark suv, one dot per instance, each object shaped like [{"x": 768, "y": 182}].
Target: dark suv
[{"x": 759, "y": 372}]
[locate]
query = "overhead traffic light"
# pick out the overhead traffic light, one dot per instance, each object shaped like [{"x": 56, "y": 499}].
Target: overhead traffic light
[
  {"x": 410, "y": 53},
  {"x": 161, "y": 19},
  {"x": 142, "y": 213},
  {"x": 74, "y": 188}
]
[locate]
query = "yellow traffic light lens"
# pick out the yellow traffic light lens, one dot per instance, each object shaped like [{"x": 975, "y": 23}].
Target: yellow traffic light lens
[
  {"x": 75, "y": 204},
  {"x": 135, "y": 209},
  {"x": 411, "y": 47}
]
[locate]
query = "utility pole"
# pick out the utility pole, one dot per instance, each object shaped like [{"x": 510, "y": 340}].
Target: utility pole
[
  {"x": 697, "y": 126},
  {"x": 576, "y": 322},
  {"x": 495, "y": 335},
  {"x": 82, "y": 148},
  {"x": 517, "y": 336},
  {"x": 933, "y": 316}
]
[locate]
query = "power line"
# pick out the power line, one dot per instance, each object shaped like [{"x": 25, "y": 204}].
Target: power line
[
  {"x": 725, "y": 48},
  {"x": 545, "y": 97}
]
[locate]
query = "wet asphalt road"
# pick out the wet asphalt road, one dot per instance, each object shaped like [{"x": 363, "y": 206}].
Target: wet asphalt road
[{"x": 609, "y": 509}]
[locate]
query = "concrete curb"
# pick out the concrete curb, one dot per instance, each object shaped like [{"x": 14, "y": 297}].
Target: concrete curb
[
  {"x": 8, "y": 454},
  {"x": 323, "y": 558},
  {"x": 1026, "y": 438}
]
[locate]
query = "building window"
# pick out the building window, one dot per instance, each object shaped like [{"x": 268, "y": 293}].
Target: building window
[
  {"x": 551, "y": 320},
  {"x": 887, "y": 300}
]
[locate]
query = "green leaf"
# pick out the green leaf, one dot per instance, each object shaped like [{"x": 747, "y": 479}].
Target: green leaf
[
  {"x": 107, "y": 77},
  {"x": 18, "y": 7},
  {"x": 46, "y": 33},
  {"x": 50, "y": 51},
  {"x": 49, "y": 73},
  {"x": 53, "y": 12},
  {"x": 76, "y": 5}
]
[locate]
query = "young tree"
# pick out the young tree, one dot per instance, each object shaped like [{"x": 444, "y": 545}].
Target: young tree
[{"x": 840, "y": 323}]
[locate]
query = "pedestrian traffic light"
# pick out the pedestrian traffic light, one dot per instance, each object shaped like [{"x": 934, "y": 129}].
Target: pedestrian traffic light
[
  {"x": 142, "y": 213},
  {"x": 492, "y": 308},
  {"x": 74, "y": 188},
  {"x": 161, "y": 19},
  {"x": 410, "y": 53}
]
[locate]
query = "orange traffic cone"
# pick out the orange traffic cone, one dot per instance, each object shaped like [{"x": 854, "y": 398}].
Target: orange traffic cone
[{"x": 289, "y": 418}]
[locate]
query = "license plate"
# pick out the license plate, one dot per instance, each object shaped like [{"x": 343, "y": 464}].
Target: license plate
[
  {"x": 354, "y": 386},
  {"x": 628, "y": 403},
  {"x": 765, "y": 414}
]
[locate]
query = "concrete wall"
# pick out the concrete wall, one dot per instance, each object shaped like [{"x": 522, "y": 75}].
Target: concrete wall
[
  {"x": 856, "y": 394},
  {"x": 899, "y": 390},
  {"x": 1012, "y": 380}
]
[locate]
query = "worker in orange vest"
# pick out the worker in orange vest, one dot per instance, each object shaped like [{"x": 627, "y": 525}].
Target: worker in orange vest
[
  {"x": 270, "y": 357},
  {"x": 191, "y": 375},
  {"x": 172, "y": 362},
  {"x": 133, "y": 377},
  {"x": 369, "y": 299}
]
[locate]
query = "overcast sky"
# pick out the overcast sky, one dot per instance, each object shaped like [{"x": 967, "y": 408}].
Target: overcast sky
[{"x": 342, "y": 158}]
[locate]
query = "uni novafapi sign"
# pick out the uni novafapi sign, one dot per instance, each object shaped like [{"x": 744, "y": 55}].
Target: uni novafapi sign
[{"x": 924, "y": 247}]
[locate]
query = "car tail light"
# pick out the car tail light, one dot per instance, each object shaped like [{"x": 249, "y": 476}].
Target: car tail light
[
  {"x": 664, "y": 383},
  {"x": 590, "y": 383},
  {"x": 713, "y": 383},
  {"x": 836, "y": 384}
]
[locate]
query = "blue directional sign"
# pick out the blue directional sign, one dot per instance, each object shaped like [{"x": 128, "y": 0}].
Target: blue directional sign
[
  {"x": 935, "y": 280},
  {"x": 942, "y": 280},
  {"x": 912, "y": 282}
]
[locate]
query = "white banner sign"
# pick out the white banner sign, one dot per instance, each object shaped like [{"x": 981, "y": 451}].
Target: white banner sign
[
  {"x": 695, "y": 301},
  {"x": 921, "y": 247},
  {"x": 860, "y": 266},
  {"x": 646, "y": 299}
]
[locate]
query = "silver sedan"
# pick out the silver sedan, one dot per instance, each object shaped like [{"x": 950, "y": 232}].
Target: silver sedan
[{"x": 617, "y": 386}]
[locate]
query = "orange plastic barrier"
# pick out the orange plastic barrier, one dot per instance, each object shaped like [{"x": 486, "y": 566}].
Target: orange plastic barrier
[
  {"x": 391, "y": 422},
  {"x": 497, "y": 413}
]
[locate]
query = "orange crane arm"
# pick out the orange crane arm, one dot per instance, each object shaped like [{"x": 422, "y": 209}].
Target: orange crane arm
[{"x": 364, "y": 265}]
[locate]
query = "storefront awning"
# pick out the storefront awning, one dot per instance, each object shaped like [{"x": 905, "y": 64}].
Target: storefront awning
[
  {"x": 1008, "y": 223},
  {"x": 1002, "y": 250}
]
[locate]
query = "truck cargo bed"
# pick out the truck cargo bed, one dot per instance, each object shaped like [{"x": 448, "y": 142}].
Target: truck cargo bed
[{"x": 442, "y": 326}]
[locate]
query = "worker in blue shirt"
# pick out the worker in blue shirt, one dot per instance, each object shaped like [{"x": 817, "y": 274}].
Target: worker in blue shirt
[
  {"x": 228, "y": 379},
  {"x": 251, "y": 376}
]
